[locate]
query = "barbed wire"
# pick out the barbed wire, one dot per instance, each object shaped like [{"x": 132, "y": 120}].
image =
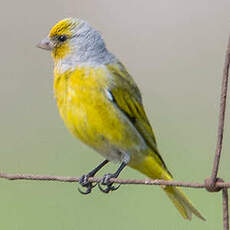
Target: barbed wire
[{"x": 211, "y": 184}]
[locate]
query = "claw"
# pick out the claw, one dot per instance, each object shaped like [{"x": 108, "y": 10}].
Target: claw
[
  {"x": 88, "y": 190},
  {"x": 108, "y": 188},
  {"x": 84, "y": 182},
  {"x": 109, "y": 185},
  {"x": 116, "y": 188}
]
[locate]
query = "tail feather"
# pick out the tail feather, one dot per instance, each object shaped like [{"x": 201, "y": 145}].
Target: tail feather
[
  {"x": 182, "y": 203},
  {"x": 154, "y": 170}
]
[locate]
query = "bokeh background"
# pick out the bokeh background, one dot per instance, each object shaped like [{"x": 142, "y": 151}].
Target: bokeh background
[{"x": 175, "y": 51}]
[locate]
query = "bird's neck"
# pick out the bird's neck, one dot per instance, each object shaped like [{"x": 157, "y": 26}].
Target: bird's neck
[
  {"x": 84, "y": 59},
  {"x": 87, "y": 48}
]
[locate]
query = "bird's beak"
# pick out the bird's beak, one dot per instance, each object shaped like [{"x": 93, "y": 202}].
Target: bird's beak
[{"x": 45, "y": 44}]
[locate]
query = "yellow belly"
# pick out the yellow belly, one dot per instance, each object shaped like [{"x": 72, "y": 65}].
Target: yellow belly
[{"x": 91, "y": 116}]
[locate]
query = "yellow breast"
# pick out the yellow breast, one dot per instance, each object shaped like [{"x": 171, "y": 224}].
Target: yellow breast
[{"x": 87, "y": 111}]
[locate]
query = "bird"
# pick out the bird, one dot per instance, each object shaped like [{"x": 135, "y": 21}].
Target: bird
[{"x": 102, "y": 106}]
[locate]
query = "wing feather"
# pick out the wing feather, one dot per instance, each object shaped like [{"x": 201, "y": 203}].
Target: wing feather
[{"x": 127, "y": 97}]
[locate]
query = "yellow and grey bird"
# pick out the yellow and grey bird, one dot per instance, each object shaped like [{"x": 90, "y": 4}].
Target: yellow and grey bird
[{"x": 102, "y": 106}]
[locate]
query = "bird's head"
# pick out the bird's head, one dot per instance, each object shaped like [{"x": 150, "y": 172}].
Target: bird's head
[
  {"x": 60, "y": 38},
  {"x": 74, "y": 41}
]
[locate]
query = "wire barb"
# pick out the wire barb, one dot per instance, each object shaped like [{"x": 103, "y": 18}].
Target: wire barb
[{"x": 210, "y": 187}]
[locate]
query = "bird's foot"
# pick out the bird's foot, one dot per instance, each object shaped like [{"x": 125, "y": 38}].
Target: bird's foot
[
  {"x": 84, "y": 182},
  {"x": 106, "y": 182}
]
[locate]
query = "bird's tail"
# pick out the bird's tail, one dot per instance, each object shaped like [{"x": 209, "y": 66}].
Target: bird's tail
[
  {"x": 182, "y": 203},
  {"x": 151, "y": 167}
]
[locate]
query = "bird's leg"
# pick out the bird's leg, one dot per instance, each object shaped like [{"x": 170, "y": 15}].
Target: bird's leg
[
  {"x": 106, "y": 180},
  {"x": 84, "y": 180}
]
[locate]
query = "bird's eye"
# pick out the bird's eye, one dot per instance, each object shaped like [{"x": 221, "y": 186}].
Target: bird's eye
[{"x": 62, "y": 38}]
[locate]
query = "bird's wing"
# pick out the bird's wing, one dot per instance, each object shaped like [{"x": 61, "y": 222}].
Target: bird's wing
[{"x": 127, "y": 98}]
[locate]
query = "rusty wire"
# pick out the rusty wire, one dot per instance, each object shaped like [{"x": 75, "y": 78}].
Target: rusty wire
[
  {"x": 211, "y": 184},
  {"x": 146, "y": 181},
  {"x": 223, "y": 99},
  {"x": 225, "y": 209}
]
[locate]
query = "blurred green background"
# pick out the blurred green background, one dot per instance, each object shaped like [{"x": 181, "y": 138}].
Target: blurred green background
[{"x": 175, "y": 51}]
